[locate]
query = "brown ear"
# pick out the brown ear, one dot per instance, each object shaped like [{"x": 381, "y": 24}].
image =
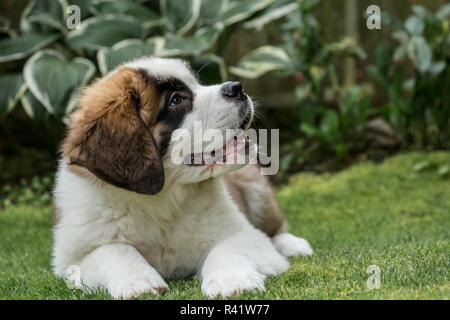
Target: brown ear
[{"x": 110, "y": 136}]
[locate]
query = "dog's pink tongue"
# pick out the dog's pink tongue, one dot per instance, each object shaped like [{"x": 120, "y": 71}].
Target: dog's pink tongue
[{"x": 236, "y": 145}]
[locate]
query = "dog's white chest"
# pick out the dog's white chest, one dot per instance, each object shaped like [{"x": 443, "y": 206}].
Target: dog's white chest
[{"x": 174, "y": 246}]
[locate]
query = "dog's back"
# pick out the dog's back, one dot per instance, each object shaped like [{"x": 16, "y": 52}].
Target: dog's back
[{"x": 255, "y": 198}]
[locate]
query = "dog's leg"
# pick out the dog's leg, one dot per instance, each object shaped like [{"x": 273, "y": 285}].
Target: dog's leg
[
  {"x": 291, "y": 246},
  {"x": 241, "y": 263},
  {"x": 122, "y": 270}
]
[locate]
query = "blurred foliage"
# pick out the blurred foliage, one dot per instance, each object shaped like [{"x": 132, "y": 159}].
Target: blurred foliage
[
  {"x": 111, "y": 33},
  {"x": 44, "y": 64},
  {"x": 335, "y": 120},
  {"x": 330, "y": 117},
  {"x": 34, "y": 192},
  {"x": 416, "y": 77}
]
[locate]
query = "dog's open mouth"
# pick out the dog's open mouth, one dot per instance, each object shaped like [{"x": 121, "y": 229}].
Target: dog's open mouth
[{"x": 238, "y": 146}]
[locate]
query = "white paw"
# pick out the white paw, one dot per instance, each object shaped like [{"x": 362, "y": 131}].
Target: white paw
[
  {"x": 290, "y": 246},
  {"x": 134, "y": 287},
  {"x": 230, "y": 283}
]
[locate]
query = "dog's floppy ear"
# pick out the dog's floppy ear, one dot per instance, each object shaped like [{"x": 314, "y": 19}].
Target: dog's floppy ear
[{"x": 110, "y": 133}]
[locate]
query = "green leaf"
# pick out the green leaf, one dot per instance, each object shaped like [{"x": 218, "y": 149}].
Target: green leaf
[
  {"x": 261, "y": 61},
  {"x": 46, "y": 19},
  {"x": 307, "y": 5},
  {"x": 436, "y": 68},
  {"x": 422, "y": 165},
  {"x": 347, "y": 45},
  {"x": 42, "y": 16},
  {"x": 128, "y": 8},
  {"x": 23, "y": 46},
  {"x": 443, "y": 12},
  {"x": 32, "y": 107},
  {"x": 105, "y": 31},
  {"x": 210, "y": 69},
  {"x": 127, "y": 50},
  {"x": 84, "y": 5},
  {"x": 420, "y": 11},
  {"x": 303, "y": 92},
  {"x": 211, "y": 10},
  {"x": 400, "y": 52},
  {"x": 309, "y": 130},
  {"x": 201, "y": 41},
  {"x": 237, "y": 11},
  {"x": 180, "y": 15},
  {"x": 415, "y": 25},
  {"x": 12, "y": 89},
  {"x": 4, "y": 25},
  {"x": 56, "y": 82},
  {"x": 443, "y": 170},
  {"x": 275, "y": 11},
  {"x": 329, "y": 126},
  {"x": 400, "y": 35},
  {"x": 383, "y": 58},
  {"x": 420, "y": 53},
  {"x": 409, "y": 84}
]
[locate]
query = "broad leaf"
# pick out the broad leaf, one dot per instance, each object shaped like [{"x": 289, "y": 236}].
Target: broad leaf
[
  {"x": 32, "y": 107},
  {"x": 56, "y": 82},
  {"x": 400, "y": 52},
  {"x": 127, "y": 50},
  {"x": 329, "y": 126},
  {"x": 420, "y": 11},
  {"x": 201, "y": 41},
  {"x": 46, "y": 19},
  {"x": 307, "y": 5},
  {"x": 180, "y": 15},
  {"x": 415, "y": 25},
  {"x": 128, "y": 8},
  {"x": 420, "y": 53},
  {"x": 275, "y": 11},
  {"x": 42, "y": 16},
  {"x": 211, "y": 10},
  {"x": 23, "y": 46},
  {"x": 12, "y": 88},
  {"x": 105, "y": 31},
  {"x": 238, "y": 11},
  {"x": 84, "y": 5},
  {"x": 210, "y": 69},
  {"x": 436, "y": 68},
  {"x": 4, "y": 25},
  {"x": 345, "y": 45},
  {"x": 443, "y": 12},
  {"x": 261, "y": 61}
]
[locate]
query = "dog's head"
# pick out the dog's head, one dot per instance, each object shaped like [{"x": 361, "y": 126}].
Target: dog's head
[{"x": 122, "y": 130}]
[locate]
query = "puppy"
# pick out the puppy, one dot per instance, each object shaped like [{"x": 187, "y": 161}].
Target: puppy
[{"x": 127, "y": 216}]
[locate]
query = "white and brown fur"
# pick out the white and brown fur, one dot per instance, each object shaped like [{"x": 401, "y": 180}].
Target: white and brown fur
[{"x": 128, "y": 217}]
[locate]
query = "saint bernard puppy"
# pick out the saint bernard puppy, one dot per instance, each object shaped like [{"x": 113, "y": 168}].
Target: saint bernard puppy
[{"x": 127, "y": 216}]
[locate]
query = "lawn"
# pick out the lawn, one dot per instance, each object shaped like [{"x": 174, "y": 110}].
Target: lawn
[{"x": 395, "y": 215}]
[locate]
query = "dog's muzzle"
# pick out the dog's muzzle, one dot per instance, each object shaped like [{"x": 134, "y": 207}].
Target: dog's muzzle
[{"x": 233, "y": 91}]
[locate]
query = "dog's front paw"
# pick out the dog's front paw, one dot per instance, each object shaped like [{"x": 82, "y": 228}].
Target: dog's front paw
[
  {"x": 230, "y": 283},
  {"x": 291, "y": 246},
  {"x": 134, "y": 287}
]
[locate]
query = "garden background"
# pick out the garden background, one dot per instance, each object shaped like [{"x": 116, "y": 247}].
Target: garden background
[{"x": 363, "y": 114}]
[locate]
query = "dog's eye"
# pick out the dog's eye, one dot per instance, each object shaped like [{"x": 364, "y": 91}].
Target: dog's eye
[{"x": 175, "y": 100}]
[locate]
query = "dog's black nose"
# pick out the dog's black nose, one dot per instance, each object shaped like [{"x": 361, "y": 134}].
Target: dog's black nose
[{"x": 232, "y": 90}]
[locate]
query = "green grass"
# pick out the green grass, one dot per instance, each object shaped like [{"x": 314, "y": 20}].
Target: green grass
[{"x": 395, "y": 215}]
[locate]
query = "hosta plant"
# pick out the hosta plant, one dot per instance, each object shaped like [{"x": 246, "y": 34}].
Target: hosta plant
[
  {"x": 330, "y": 117},
  {"x": 52, "y": 61},
  {"x": 415, "y": 75}
]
